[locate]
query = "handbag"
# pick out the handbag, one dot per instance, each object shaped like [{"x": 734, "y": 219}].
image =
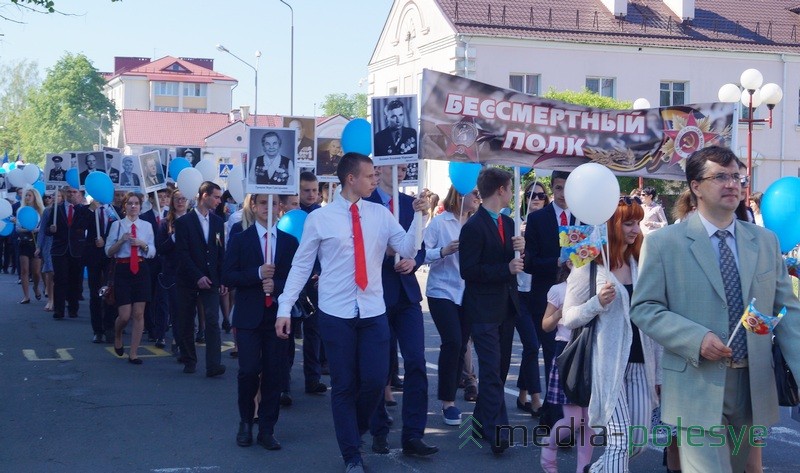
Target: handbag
[
  {"x": 107, "y": 291},
  {"x": 787, "y": 386},
  {"x": 575, "y": 362}
]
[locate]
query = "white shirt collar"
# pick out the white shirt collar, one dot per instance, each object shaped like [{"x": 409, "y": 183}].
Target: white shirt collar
[
  {"x": 711, "y": 229},
  {"x": 559, "y": 210},
  {"x": 201, "y": 215}
]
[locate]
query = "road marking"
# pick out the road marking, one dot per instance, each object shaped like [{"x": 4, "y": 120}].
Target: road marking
[
  {"x": 187, "y": 469},
  {"x": 62, "y": 355},
  {"x": 227, "y": 346}
]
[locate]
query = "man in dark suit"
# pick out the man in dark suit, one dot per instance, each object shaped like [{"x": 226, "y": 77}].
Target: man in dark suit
[
  {"x": 396, "y": 138},
  {"x": 69, "y": 241},
  {"x": 542, "y": 250},
  {"x": 57, "y": 173},
  {"x": 96, "y": 262},
  {"x": 262, "y": 355},
  {"x": 112, "y": 172},
  {"x": 91, "y": 165},
  {"x": 305, "y": 146},
  {"x": 402, "y": 297},
  {"x": 199, "y": 244},
  {"x": 128, "y": 178},
  {"x": 491, "y": 302}
]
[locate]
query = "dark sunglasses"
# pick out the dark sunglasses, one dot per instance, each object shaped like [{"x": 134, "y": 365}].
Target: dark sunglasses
[
  {"x": 630, "y": 200},
  {"x": 535, "y": 195}
]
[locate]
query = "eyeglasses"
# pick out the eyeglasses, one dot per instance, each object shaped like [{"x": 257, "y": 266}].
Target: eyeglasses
[
  {"x": 723, "y": 178},
  {"x": 629, "y": 200},
  {"x": 181, "y": 199},
  {"x": 133, "y": 204},
  {"x": 535, "y": 195}
]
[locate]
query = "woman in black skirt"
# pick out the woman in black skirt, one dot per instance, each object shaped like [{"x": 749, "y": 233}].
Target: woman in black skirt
[
  {"x": 129, "y": 242},
  {"x": 30, "y": 266}
]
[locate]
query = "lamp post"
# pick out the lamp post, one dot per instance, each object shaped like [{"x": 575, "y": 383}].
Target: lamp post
[
  {"x": 255, "y": 70},
  {"x": 752, "y": 95},
  {"x": 99, "y": 130},
  {"x": 291, "y": 70}
]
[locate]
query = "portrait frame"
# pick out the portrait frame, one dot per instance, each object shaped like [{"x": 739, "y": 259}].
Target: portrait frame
[
  {"x": 385, "y": 150},
  {"x": 49, "y": 167},
  {"x": 159, "y": 181},
  {"x": 134, "y": 182},
  {"x": 284, "y": 180},
  {"x": 306, "y": 141}
]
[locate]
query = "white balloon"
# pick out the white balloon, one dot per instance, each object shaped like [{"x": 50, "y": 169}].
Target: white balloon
[
  {"x": 6, "y": 166},
  {"x": 592, "y": 193},
  {"x": 236, "y": 183},
  {"x": 208, "y": 168},
  {"x": 189, "y": 181},
  {"x": 16, "y": 177},
  {"x": 31, "y": 173},
  {"x": 5, "y": 209}
]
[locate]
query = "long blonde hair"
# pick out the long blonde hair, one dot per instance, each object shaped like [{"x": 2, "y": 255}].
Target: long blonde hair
[
  {"x": 38, "y": 205},
  {"x": 248, "y": 216}
]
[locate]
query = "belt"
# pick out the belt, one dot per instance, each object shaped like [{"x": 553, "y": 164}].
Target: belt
[
  {"x": 735, "y": 365},
  {"x": 127, "y": 260}
]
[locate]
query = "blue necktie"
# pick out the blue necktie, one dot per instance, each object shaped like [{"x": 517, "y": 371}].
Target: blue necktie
[{"x": 733, "y": 294}]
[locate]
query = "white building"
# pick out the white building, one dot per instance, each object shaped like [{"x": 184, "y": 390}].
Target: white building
[{"x": 670, "y": 52}]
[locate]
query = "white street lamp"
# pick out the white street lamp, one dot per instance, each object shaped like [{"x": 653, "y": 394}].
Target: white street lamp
[{"x": 255, "y": 70}]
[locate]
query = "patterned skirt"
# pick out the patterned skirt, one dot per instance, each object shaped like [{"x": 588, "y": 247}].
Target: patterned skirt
[{"x": 555, "y": 392}]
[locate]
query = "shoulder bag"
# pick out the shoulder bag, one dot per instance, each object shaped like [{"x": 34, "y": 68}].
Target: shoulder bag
[
  {"x": 575, "y": 362},
  {"x": 787, "y": 386}
]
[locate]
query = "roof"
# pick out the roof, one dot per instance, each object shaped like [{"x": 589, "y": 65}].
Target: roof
[
  {"x": 144, "y": 127},
  {"x": 754, "y": 25},
  {"x": 172, "y": 69}
]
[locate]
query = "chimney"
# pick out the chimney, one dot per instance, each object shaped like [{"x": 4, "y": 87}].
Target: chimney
[
  {"x": 617, "y": 7},
  {"x": 683, "y": 8},
  {"x": 234, "y": 115},
  {"x": 245, "y": 112}
]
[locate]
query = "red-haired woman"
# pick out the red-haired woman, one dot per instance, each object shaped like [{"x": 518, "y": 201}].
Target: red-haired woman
[{"x": 623, "y": 359}]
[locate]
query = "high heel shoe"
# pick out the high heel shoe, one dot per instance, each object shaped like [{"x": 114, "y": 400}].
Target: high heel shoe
[
  {"x": 134, "y": 361},
  {"x": 119, "y": 351},
  {"x": 25, "y": 301}
]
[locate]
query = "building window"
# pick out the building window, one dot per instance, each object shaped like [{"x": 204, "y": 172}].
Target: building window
[
  {"x": 165, "y": 109},
  {"x": 165, "y": 88},
  {"x": 393, "y": 90},
  {"x": 525, "y": 83},
  {"x": 194, "y": 90},
  {"x": 195, "y": 110},
  {"x": 672, "y": 93},
  {"x": 604, "y": 86}
]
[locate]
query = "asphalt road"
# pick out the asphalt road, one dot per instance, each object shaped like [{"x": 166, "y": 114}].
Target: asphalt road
[{"x": 67, "y": 405}]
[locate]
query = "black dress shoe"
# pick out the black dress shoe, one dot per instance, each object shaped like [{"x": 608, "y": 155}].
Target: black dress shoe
[
  {"x": 397, "y": 384},
  {"x": 226, "y": 326},
  {"x": 286, "y": 400},
  {"x": 161, "y": 343},
  {"x": 319, "y": 388},
  {"x": 58, "y": 316},
  {"x": 234, "y": 354},
  {"x": 135, "y": 361},
  {"x": 526, "y": 407},
  {"x": 189, "y": 368},
  {"x": 380, "y": 445},
  {"x": 498, "y": 449},
  {"x": 418, "y": 447},
  {"x": 73, "y": 315},
  {"x": 215, "y": 371},
  {"x": 390, "y": 402},
  {"x": 269, "y": 442},
  {"x": 244, "y": 438},
  {"x": 119, "y": 351},
  {"x": 97, "y": 338}
]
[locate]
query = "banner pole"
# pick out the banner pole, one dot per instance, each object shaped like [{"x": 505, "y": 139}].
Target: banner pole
[
  {"x": 517, "y": 200},
  {"x": 396, "y": 203}
]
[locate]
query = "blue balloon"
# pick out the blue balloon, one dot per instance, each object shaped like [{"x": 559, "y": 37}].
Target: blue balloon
[
  {"x": 780, "y": 206},
  {"x": 28, "y": 218},
  {"x": 292, "y": 223},
  {"x": 40, "y": 187},
  {"x": 8, "y": 228},
  {"x": 176, "y": 166},
  {"x": 100, "y": 187},
  {"x": 524, "y": 170},
  {"x": 3, "y": 170},
  {"x": 72, "y": 178},
  {"x": 357, "y": 137},
  {"x": 12, "y": 166},
  {"x": 464, "y": 176}
]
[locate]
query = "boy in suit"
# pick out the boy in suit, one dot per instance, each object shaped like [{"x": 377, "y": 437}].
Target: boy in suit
[{"x": 491, "y": 302}]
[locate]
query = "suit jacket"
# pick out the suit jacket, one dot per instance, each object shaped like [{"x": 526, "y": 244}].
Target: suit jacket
[
  {"x": 70, "y": 240},
  {"x": 127, "y": 182},
  {"x": 394, "y": 282},
  {"x": 490, "y": 290},
  {"x": 680, "y": 297},
  {"x": 542, "y": 250},
  {"x": 93, "y": 255},
  {"x": 113, "y": 173},
  {"x": 198, "y": 257},
  {"x": 84, "y": 175},
  {"x": 240, "y": 271},
  {"x": 386, "y": 146}
]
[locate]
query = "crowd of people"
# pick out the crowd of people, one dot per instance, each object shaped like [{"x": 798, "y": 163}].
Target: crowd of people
[{"x": 348, "y": 286}]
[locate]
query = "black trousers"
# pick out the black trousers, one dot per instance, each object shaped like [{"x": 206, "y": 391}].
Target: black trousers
[
  {"x": 187, "y": 307},
  {"x": 102, "y": 314},
  {"x": 262, "y": 362},
  {"x": 454, "y": 331},
  {"x": 67, "y": 280},
  {"x": 493, "y": 342}
]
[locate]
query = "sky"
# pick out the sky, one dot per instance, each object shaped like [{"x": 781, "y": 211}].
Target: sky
[{"x": 333, "y": 41}]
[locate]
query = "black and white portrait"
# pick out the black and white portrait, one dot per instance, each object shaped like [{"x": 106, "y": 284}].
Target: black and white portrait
[
  {"x": 192, "y": 154},
  {"x": 90, "y": 162},
  {"x": 163, "y": 156},
  {"x": 55, "y": 168},
  {"x": 113, "y": 161},
  {"x": 412, "y": 175},
  {"x": 152, "y": 172},
  {"x": 304, "y": 128},
  {"x": 394, "y": 128},
  {"x": 129, "y": 178},
  {"x": 271, "y": 168}
]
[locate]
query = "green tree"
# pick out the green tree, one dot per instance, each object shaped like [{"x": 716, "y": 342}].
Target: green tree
[
  {"x": 350, "y": 106},
  {"x": 51, "y": 122},
  {"x": 17, "y": 82}
]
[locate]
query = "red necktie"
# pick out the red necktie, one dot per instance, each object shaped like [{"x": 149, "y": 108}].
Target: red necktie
[
  {"x": 102, "y": 223},
  {"x": 500, "y": 229},
  {"x": 69, "y": 215},
  {"x": 391, "y": 206},
  {"x": 134, "y": 260},
  {"x": 564, "y": 219},
  {"x": 158, "y": 220},
  {"x": 267, "y": 298},
  {"x": 358, "y": 249}
]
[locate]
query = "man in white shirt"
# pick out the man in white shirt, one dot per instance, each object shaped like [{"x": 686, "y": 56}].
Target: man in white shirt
[{"x": 350, "y": 237}]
